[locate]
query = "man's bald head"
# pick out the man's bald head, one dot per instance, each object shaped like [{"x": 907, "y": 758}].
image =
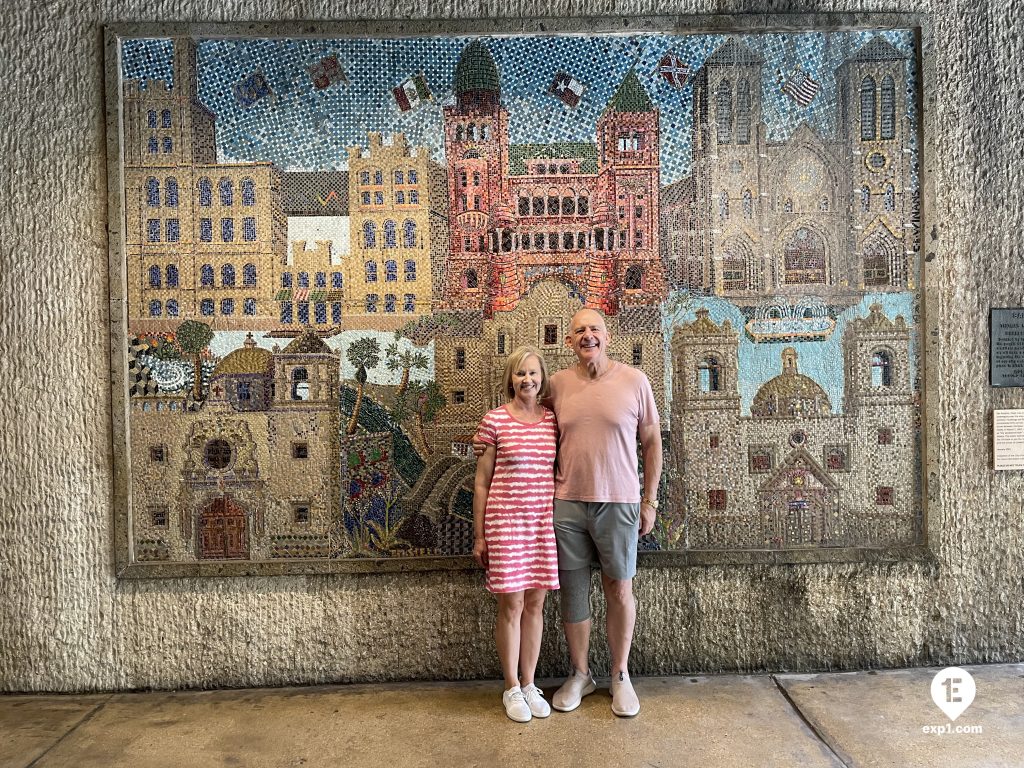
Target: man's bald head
[{"x": 588, "y": 337}]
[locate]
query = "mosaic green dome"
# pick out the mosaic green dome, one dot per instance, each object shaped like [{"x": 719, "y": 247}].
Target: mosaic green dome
[{"x": 476, "y": 70}]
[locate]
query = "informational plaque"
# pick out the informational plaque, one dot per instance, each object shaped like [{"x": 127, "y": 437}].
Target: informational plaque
[
  {"x": 1006, "y": 357},
  {"x": 1008, "y": 438}
]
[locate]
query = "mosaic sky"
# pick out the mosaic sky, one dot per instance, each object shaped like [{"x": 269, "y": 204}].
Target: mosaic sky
[{"x": 302, "y": 128}]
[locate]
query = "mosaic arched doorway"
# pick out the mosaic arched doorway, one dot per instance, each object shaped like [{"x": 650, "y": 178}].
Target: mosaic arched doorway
[{"x": 223, "y": 531}]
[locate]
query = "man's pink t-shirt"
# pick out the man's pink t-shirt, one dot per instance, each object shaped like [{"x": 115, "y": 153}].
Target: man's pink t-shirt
[{"x": 598, "y": 421}]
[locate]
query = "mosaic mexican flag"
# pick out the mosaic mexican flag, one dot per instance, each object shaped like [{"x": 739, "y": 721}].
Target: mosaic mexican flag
[{"x": 332, "y": 245}]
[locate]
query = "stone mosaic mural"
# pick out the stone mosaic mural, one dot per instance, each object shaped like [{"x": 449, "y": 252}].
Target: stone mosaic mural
[{"x": 331, "y": 245}]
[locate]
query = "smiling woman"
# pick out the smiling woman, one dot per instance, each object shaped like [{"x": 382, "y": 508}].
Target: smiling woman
[{"x": 513, "y": 534}]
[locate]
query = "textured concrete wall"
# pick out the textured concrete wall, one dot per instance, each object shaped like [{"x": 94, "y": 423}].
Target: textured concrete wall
[{"x": 67, "y": 624}]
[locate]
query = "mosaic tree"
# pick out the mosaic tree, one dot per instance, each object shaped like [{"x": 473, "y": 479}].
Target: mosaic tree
[
  {"x": 364, "y": 354},
  {"x": 419, "y": 405},
  {"x": 193, "y": 338},
  {"x": 407, "y": 360}
]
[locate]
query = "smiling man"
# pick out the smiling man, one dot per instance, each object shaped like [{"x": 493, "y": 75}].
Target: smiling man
[{"x": 603, "y": 408}]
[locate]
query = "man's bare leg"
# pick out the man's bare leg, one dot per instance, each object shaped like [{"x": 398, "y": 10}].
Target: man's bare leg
[
  {"x": 618, "y": 594},
  {"x": 577, "y": 636},
  {"x": 621, "y": 620}
]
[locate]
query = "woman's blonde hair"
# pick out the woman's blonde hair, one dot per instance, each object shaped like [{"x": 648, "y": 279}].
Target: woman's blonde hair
[{"x": 515, "y": 360}]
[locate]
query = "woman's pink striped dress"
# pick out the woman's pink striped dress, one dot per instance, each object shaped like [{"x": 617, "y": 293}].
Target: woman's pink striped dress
[{"x": 521, "y": 551}]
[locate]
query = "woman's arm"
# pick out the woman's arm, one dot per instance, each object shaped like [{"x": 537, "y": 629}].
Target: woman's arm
[{"x": 481, "y": 487}]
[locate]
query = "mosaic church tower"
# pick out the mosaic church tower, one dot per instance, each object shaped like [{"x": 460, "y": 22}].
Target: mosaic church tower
[
  {"x": 582, "y": 213},
  {"x": 813, "y": 214}
]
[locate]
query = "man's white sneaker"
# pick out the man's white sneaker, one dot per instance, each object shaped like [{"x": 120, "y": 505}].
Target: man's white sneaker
[
  {"x": 576, "y": 686},
  {"x": 535, "y": 699},
  {"x": 515, "y": 705},
  {"x": 624, "y": 699}
]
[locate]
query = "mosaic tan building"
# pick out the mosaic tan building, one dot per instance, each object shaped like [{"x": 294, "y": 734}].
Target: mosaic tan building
[
  {"x": 254, "y": 472},
  {"x": 470, "y": 355},
  {"x": 398, "y": 214},
  {"x": 794, "y": 473},
  {"x": 202, "y": 238}
]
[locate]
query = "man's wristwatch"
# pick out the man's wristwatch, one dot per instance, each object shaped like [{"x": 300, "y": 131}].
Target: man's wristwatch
[{"x": 652, "y": 503}]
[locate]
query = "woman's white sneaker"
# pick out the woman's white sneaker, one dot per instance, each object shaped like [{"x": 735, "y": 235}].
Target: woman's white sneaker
[
  {"x": 515, "y": 705},
  {"x": 535, "y": 699}
]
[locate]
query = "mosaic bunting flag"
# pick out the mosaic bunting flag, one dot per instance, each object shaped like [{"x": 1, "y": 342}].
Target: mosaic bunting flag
[
  {"x": 801, "y": 88},
  {"x": 567, "y": 88},
  {"x": 412, "y": 92},
  {"x": 326, "y": 72},
  {"x": 251, "y": 89},
  {"x": 674, "y": 70}
]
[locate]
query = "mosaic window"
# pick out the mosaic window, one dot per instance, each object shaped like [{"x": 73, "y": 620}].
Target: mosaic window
[
  {"x": 744, "y": 208},
  {"x": 837, "y": 458},
  {"x": 805, "y": 257},
  {"x": 217, "y": 454},
  {"x": 867, "y": 109},
  {"x": 709, "y": 374},
  {"x": 743, "y": 117},
  {"x": 205, "y": 192},
  {"x": 152, "y": 192},
  {"x": 723, "y": 112},
  {"x": 227, "y": 191},
  {"x": 888, "y": 109},
  {"x": 762, "y": 459},
  {"x": 248, "y": 192},
  {"x": 881, "y": 368},
  {"x": 171, "y": 192}
]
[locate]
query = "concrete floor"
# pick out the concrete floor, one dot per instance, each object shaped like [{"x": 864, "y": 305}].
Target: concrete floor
[{"x": 854, "y": 719}]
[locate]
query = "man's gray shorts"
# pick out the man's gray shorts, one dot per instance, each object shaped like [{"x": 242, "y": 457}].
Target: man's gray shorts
[{"x": 601, "y": 532}]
